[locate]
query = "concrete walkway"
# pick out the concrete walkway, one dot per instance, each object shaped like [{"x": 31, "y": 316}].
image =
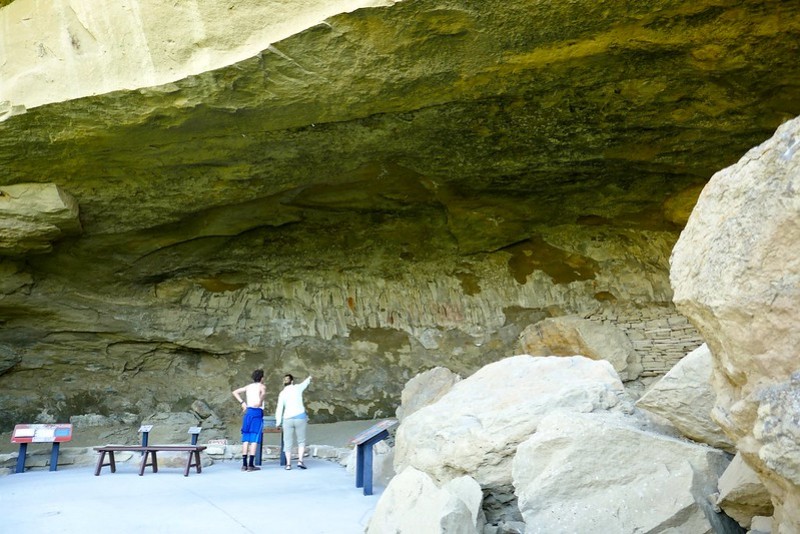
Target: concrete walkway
[{"x": 320, "y": 500}]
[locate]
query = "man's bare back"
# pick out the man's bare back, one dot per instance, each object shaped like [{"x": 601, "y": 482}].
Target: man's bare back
[{"x": 255, "y": 394}]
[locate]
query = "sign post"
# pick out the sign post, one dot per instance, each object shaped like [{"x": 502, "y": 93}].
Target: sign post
[
  {"x": 195, "y": 432},
  {"x": 364, "y": 443},
  {"x": 145, "y": 431}
]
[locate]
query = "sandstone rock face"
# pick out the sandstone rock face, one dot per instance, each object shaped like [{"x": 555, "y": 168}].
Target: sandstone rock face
[
  {"x": 594, "y": 473},
  {"x": 413, "y": 504},
  {"x": 761, "y": 525},
  {"x": 68, "y": 49},
  {"x": 8, "y": 359},
  {"x": 32, "y": 216},
  {"x": 568, "y": 336},
  {"x": 475, "y": 428},
  {"x": 424, "y": 389},
  {"x": 741, "y": 494},
  {"x": 361, "y": 190},
  {"x": 685, "y": 398},
  {"x": 736, "y": 274}
]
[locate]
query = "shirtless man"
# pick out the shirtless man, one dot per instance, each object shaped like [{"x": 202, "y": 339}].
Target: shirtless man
[{"x": 253, "y": 419}]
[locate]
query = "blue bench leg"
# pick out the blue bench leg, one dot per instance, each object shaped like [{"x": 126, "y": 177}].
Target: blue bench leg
[
  {"x": 54, "y": 456},
  {"x": 23, "y": 449}
]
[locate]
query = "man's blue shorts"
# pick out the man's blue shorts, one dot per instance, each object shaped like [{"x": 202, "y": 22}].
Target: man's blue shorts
[{"x": 252, "y": 423}]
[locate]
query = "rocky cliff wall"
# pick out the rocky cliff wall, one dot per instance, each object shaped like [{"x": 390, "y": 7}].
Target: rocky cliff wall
[
  {"x": 192, "y": 339},
  {"x": 363, "y": 196}
]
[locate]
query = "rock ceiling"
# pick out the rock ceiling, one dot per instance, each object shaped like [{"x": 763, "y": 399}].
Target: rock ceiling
[
  {"x": 385, "y": 139},
  {"x": 450, "y": 116}
]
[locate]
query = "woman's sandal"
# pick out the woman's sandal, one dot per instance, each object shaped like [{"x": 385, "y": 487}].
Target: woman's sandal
[
  {"x": 301, "y": 465},
  {"x": 288, "y": 468}
]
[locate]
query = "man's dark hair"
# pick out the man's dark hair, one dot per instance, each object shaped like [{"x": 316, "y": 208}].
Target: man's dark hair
[
  {"x": 290, "y": 377},
  {"x": 258, "y": 374}
]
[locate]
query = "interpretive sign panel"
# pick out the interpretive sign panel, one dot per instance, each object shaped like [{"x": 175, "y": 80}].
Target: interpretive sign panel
[
  {"x": 373, "y": 431},
  {"x": 41, "y": 433}
]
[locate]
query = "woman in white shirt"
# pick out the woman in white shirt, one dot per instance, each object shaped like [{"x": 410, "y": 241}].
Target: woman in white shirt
[{"x": 292, "y": 413}]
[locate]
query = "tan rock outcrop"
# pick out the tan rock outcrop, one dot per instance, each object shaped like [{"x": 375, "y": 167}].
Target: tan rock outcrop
[
  {"x": 572, "y": 335},
  {"x": 32, "y": 216},
  {"x": 742, "y": 495},
  {"x": 596, "y": 473},
  {"x": 685, "y": 398},
  {"x": 67, "y": 49},
  {"x": 424, "y": 389},
  {"x": 736, "y": 275},
  {"x": 414, "y": 504},
  {"x": 475, "y": 428}
]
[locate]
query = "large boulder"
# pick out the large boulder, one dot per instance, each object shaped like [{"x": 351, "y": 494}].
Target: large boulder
[
  {"x": 414, "y": 504},
  {"x": 741, "y": 493},
  {"x": 570, "y": 335},
  {"x": 685, "y": 398},
  {"x": 736, "y": 275},
  {"x": 601, "y": 473},
  {"x": 424, "y": 389},
  {"x": 475, "y": 428}
]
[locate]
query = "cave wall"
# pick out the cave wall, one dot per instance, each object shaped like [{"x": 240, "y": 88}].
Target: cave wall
[
  {"x": 362, "y": 338},
  {"x": 368, "y": 191}
]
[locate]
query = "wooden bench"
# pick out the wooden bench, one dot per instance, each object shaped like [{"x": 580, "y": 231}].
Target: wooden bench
[{"x": 150, "y": 458}]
